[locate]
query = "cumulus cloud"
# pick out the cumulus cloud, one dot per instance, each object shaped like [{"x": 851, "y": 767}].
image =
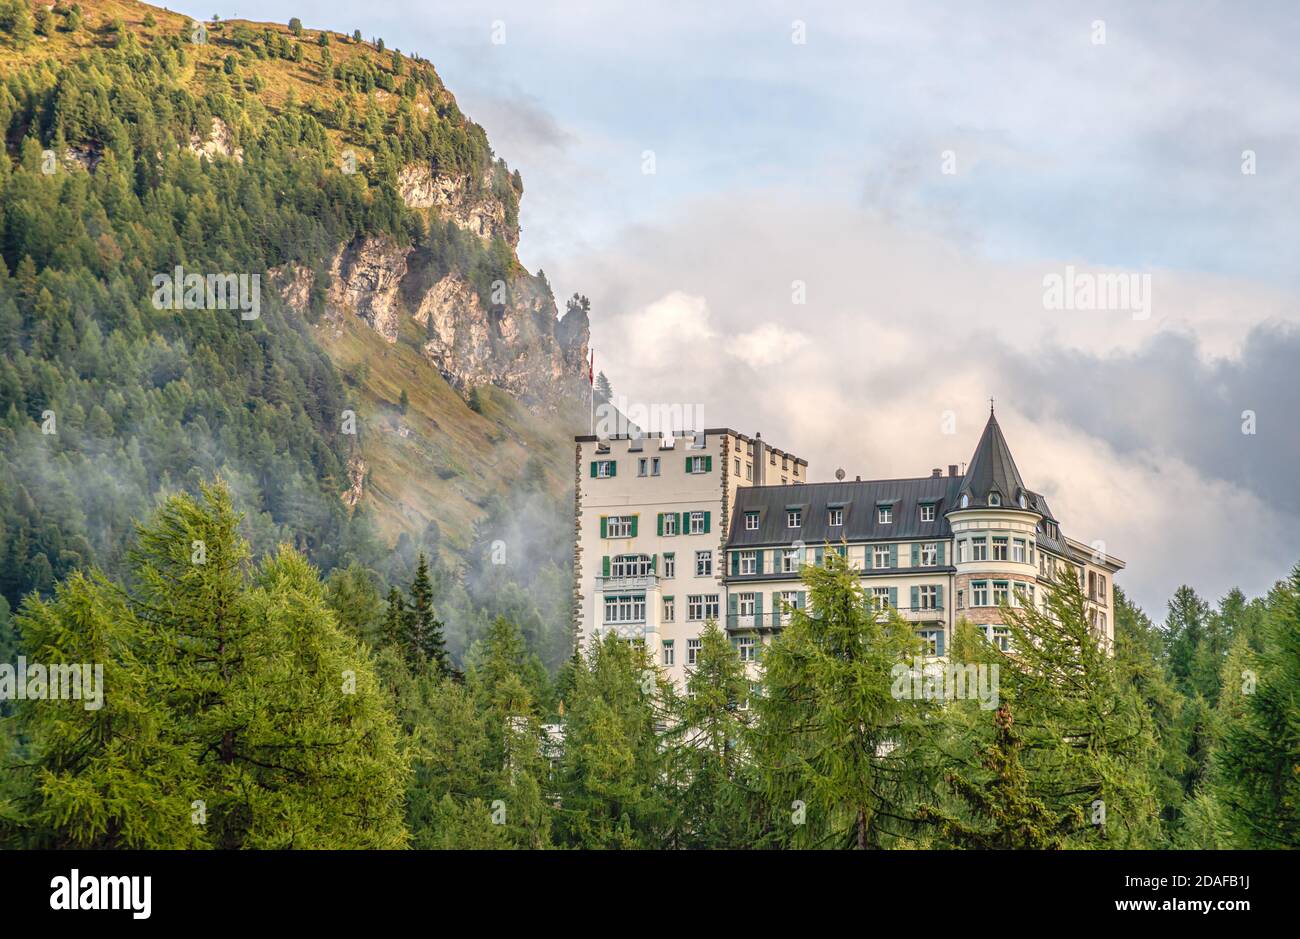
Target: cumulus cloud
[{"x": 1131, "y": 427}]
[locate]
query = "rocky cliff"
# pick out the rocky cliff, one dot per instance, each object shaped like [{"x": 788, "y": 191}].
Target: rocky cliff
[{"x": 513, "y": 338}]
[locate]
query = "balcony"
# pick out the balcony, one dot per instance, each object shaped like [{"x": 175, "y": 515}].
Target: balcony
[
  {"x": 770, "y": 620},
  {"x": 627, "y": 584}
]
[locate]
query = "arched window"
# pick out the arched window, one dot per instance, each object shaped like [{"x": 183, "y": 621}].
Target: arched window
[
  {"x": 965, "y": 500},
  {"x": 995, "y": 498},
  {"x": 629, "y": 565},
  {"x": 1023, "y": 501}
]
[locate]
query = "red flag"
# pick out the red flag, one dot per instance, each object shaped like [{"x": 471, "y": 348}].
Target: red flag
[{"x": 591, "y": 369}]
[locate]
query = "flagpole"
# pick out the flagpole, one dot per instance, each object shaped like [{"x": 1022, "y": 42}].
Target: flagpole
[{"x": 591, "y": 381}]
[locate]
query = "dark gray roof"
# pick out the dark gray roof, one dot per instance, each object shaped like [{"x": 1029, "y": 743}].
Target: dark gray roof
[
  {"x": 859, "y": 501},
  {"x": 993, "y": 469}
]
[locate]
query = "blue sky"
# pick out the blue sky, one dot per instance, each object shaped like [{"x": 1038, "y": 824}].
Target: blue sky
[{"x": 822, "y": 163}]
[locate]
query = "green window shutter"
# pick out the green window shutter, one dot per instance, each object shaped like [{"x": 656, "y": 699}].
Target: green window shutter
[
  {"x": 940, "y": 558},
  {"x": 604, "y": 526},
  {"x": 735, "y": 563},
  {"x": 801, "y": 600},
  {"x": 688, "y": 464},
  {"x": 593, "y": 469},
  {"x": 731, "y": 604},
  {"x": 604, "y": 564},
  {"x": 681, "y": 523},
  {"x": 868, "y": 559},
  {"x": 916, "y": 597},
  {"x": 654, "y": 564},
  {"x": 708, "y": 464},
  {"x": 634, "y": 520},
  {"x": 893, "y": 555},
  {"x": 916, "y": 554},
  {"x": 706, "y": 522},
  {"x": 893, "y": 597},
  {"x": 940, "y": 596},
  {"x": 613, "y": 467},
  {"x": 938, "y": 643},
  {"x": 659, "y": 524},
  {"x": 817, "y": 556},
  {"x": 758, "y": 608}
]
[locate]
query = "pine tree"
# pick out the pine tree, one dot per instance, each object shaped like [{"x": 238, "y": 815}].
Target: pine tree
[
  {"x": 226, "y": 684},
  {"x": 603, "y": 391},
  {"x": 394, "y": 625},
  {"x": 1087, "y": 736},
  {"x": 422, "y": 636},
  {"x": 714, "y": 721},
  {"x": 612, "y": 781},
  {"x": 832, "y": 740},
  {"x": 1004, "y": 811},
  {"x": 1261, "y": 751}
]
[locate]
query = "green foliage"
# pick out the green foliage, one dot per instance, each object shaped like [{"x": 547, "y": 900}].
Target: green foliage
[
  {"x": 236, "y": 714},
  {"x": 832, "y": 742}
]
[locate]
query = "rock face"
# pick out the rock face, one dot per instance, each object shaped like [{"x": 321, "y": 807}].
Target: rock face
[
  {"x": 476, "y": 208},
  {"x": 219, "y": 142},
  {"x": 512, "y": 339}
]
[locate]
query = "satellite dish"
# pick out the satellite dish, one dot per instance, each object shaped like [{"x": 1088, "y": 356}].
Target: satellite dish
[{"x": 839, "y": 474}]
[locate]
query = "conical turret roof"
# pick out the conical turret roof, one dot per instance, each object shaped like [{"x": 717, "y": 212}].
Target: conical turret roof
[{"x": 992, "y": 471}]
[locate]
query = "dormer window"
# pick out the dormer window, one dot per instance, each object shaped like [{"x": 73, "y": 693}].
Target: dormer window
[
  {"x": 885, "y": 514},
  {"x": 1024, "y": 503},
  {"x": 965, "y": 500},
  {"x": 995, "y": 498}
]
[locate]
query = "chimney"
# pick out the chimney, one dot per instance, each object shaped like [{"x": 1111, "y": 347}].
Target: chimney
[
  {"x": 952, "y": 469},
  {"x": 760, "y": 464},
  {"x": 936, "y": 473},
  {"x": 858, "y": 479}
]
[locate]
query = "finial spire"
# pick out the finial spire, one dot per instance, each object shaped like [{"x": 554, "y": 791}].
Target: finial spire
[{"x": 990, "y": 407}]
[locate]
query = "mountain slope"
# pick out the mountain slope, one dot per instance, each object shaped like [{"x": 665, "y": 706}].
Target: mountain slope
[{"x": 383, "y": 232}]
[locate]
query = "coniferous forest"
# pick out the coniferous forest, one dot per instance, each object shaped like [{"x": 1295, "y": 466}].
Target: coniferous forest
[{"x": 281, "y": 671}]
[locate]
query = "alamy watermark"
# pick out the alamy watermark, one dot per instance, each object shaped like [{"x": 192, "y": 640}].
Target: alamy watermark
[
  {"x": 620, "y": 417},
  {"x": 62, "y": 682},
  {"x": 179, "y": 290},
  {"x": 951, "y": 681},
  {"x": 1081, "y": 290}
]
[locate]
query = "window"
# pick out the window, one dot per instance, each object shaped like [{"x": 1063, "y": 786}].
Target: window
[
  {"x": 654, "y": 466},
  {"x": 1000, "y": 636},
  {"x": 929, "y": 597},
  {"x": 670, "y": 523},
  {"x": 793, "y": 518},
  {"x": 961, "y": 599},
  {"x": 789, "y": 601},
  {"x": 670, "y": 613},
  {"x": 1018, "y": 550},
  {"x": 927, "y": 513},
  {"x": 625, "y": 609},
  {"x": 1022, "y": 594},
  {"x": 698, "y": 464},
  {"x": 771, "y": 458},
  {"x": 604, "y": 469},
  {"x": 995, "y": 499},
  {"x": 785, "y": 464},
  {"x": 880, "y": 597},
  {"x": 1022, "y": 500},
  {"x": 618, "y": 526},
  {"x": 692, "y": 650},
  {"x": 630, "y": 565},
  {"x": 668, "y": 652},
  {"x": 749, "y": 562},
  {"x": 751, "y": 521},
  {"x": 790, "y": 561},
  {"x": 745, "y": 646},
  {"x": 979, "y": 593},
  {"x": 745, "y": 604},
  {"x": 885, "y": 514},
  {"x": 999, "y": 548},
  {"x": 930, "y": 554},
  {"x": 963, "y": 551},
  {"x": 703, "y": 563},
  {"x": 701, "y": 606},
  {"x": 737, "y": 466},
  {"x": 965, "y": 500},
  {"x": 835, "y": 518},
  {"x": 749, "y": 471},
  {"x": 931, "y": 639},
  {"x": 696, "y": 521},
  {"x": 1000, "y": 591},
  {"x": 670, "y": 565},
  {"x": 880, "y": 556},
  {"x": 979, "y": 549}
]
